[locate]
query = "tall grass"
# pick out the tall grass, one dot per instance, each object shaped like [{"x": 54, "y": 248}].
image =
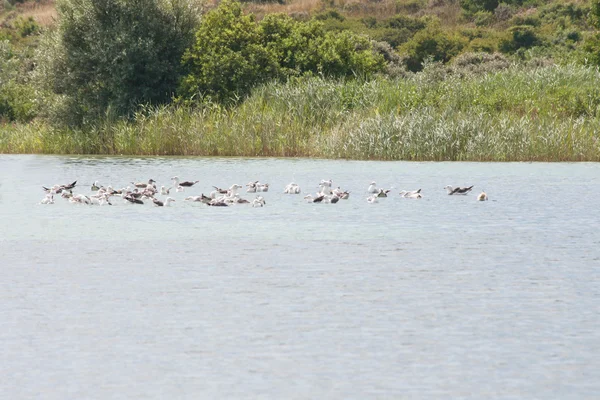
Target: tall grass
[{"x": 517, "y": 114}]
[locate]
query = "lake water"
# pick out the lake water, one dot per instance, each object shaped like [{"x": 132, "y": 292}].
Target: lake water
[{"x": 439, "y": 298}]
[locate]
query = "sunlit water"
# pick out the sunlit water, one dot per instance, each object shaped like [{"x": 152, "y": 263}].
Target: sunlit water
[{"x": 439, "y": 298}]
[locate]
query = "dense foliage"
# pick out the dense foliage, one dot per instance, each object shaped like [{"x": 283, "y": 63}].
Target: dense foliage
[
  {"x": 248, "y": 80},
  {"x": 233, "y": 53},
  {"x": 117, "y": 54}
]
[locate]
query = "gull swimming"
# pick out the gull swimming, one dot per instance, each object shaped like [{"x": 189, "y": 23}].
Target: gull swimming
[
  {"x": 193, "y": 198},
  {"x": 411, "y": 194},
  {"x": 372, "y": 188},
  {"x": 95, "y": 186},
  {"x": 141, "y": 185},
  {"x": 383, "y": 193},
  {"x": 164, "y": 191},
  {"x": 132, "y": 199},
  {"x": 458, "y": 190},
  {"x": 259, "y": 201},
  {"x": 262, "y": 187},
  {"x": 184, "y": 184},
  {"x": 482, "y": 196},
  {"x": 59, "y": 188},
  {"x": 372, "y": 199},
  {"x": 80, "y": 198},
  {"x": 49, "y": 199},
  {"x": 251, "y": 187},
  {"x": 292, "y": 188},
  {"x": 166, "y": 203}
]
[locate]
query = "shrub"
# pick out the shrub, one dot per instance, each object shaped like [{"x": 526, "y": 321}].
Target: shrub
[
  {"x": 410, "y": 6},
  {"x": 433, "y": 44},
  {"x": 504, "y": 12},
  {"x": 592, "y": 48},
  {"x": 329, "y": 14},
  {"x": 519, "y": 37},
  {"x": 16, "y": 97},
  {"x": 26, "y": 26},
  {"x": 233, "y": 53},
  {"x": 483, "y": 18},
  {"x": 473, "y": 6},
  {"x": 526, "y": 19},
  {"x": 479, "y": 63},
  {"x": 227, "y": 59}
]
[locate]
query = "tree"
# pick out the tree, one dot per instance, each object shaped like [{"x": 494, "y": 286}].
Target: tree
[
  {"x": 117, "y": 54},
  {"x": 227, "y": 59}
]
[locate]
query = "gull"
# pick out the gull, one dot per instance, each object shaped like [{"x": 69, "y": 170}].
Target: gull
[
  {"x": 133, "y": 200},
  {"x": 164, "y": 191},
  {"x": 262, "y": 187},
  {"x": 217, "y": 203},
  {"x": 193, "y": 198},
  {"x": 412, "y": 194},
  {"x": 383, "y": 193},
  {"x": 325, "y": 187},
  {"x": 372, "y": 199},
  {"x": 372, "y": 188},
  {"x": 59, "y": 188},
  {"x": 482, "y": 196},
  {"x": 220, "y": 191},
  {"x": 458, "y": 190},
  {"x": 292, "y": 188},
  {"x": 251, "y": 187},
  {"x": 309, "y": 198},
  {"x": 142, "y": 185},
  {"x": 184, "y": 184},
  {"x": 81, "y": 199},
  {"x": 259, "y": 201},
  {"x": 95, "y": 187},
  {"x": 232, "y": 191},
  {"x": 49, "y": 199},
  {"x": 179, "y": 189},
  {"x": 319, "y": 199},
  {"x": 166, "y": 203}
]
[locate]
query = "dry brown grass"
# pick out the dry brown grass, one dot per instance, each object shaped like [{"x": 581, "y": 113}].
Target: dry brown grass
[
  {"x": 43, "y": 11},
  {"x": 448, "y": 11},
  {"x": 293, "y": 7}
]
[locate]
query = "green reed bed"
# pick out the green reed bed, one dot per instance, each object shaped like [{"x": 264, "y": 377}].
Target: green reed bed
[{"x": 518, "y": 114}]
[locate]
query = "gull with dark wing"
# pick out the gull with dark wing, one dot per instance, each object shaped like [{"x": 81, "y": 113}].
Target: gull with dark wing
[
  {"x": 175, "y": 179},
  {"x": 458, "y": 190}
]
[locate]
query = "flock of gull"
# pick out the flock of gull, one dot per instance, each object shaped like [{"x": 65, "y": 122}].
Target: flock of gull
[{"x": 147, "y": 192}]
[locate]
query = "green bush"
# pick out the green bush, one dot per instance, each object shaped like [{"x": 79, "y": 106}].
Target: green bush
[
  {"x": 227, "y": 59},
  {"x": 431, "y": 44},
  {"x": 17, "y": 99},
  {"x": 233, "y": 53},
  {"x": 483, "y": 18},
  {"x": 26, "y": 26},
  {"x": 473, "y": 6},
  {"x": 592, "y": 49},
  {"x": 519, "y": 37}
]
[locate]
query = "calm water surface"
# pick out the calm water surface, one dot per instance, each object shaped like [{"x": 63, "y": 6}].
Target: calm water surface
[{"x": 439, "y": 298}]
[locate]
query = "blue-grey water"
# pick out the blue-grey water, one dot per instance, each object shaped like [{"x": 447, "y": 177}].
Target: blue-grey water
[{"x": 439, "y": 298}]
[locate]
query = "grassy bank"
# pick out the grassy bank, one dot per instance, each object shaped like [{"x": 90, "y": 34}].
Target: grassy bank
[{"x": 514, "y": 114}]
